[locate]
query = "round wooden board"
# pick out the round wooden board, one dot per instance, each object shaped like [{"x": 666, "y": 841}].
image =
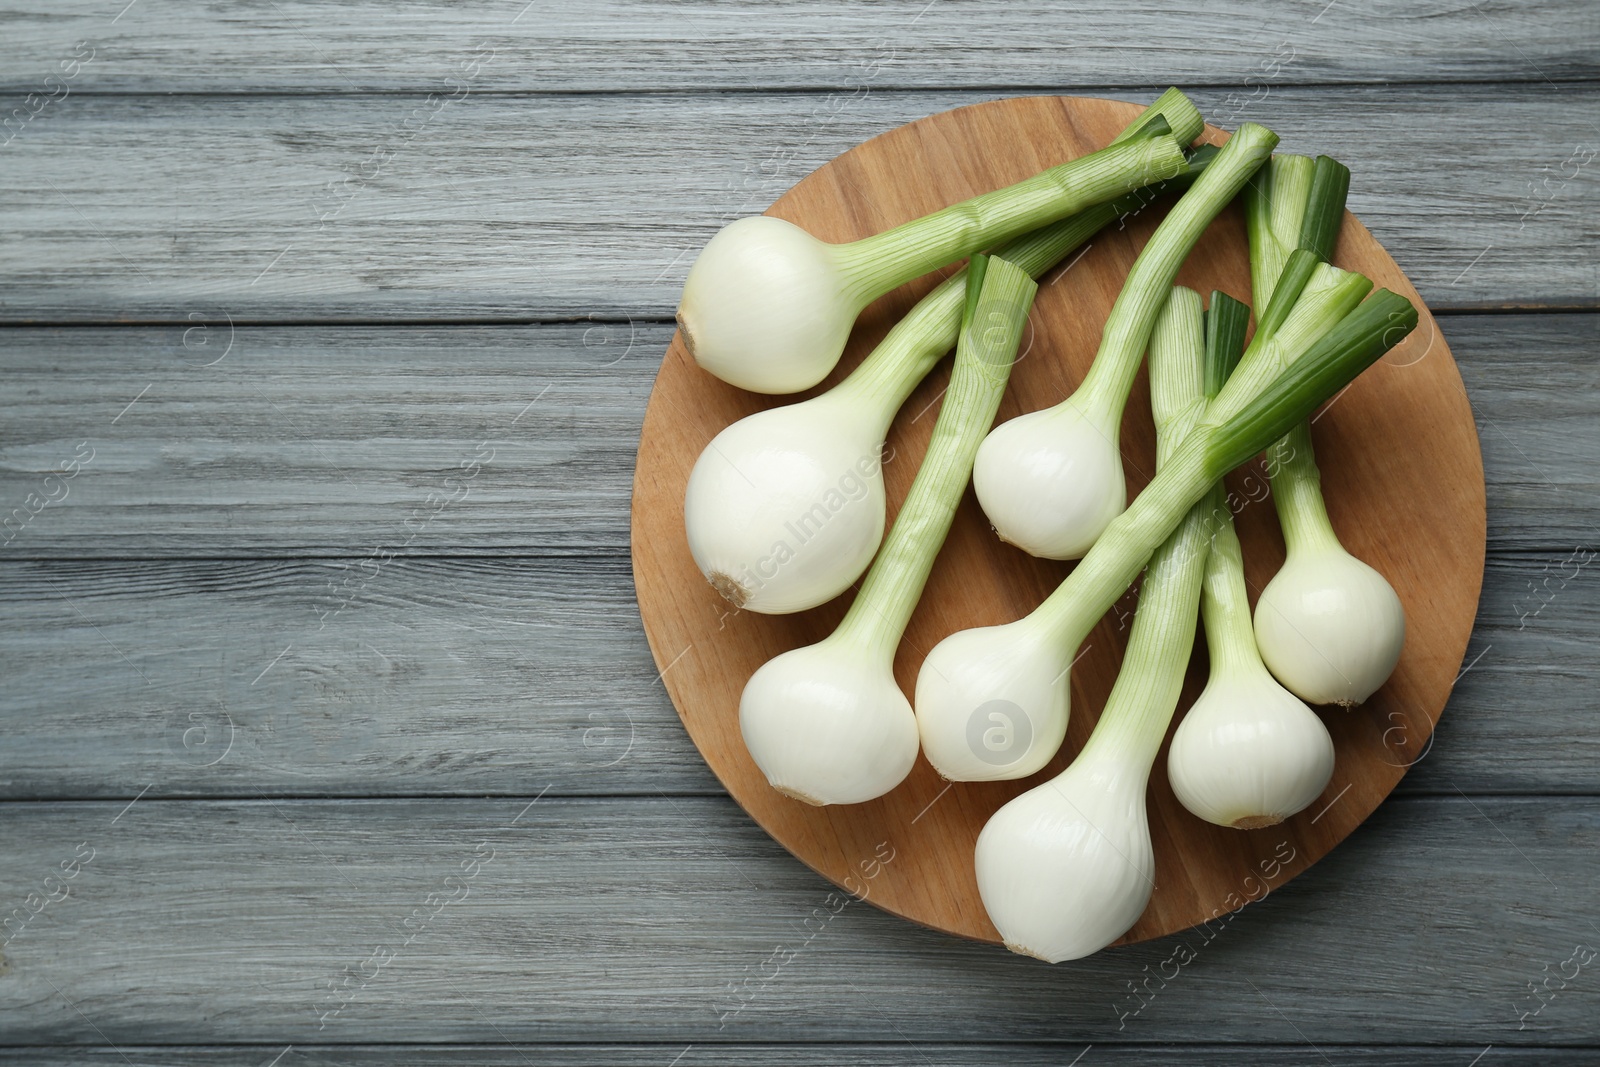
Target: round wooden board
[{"x": 1402, "y": 474}]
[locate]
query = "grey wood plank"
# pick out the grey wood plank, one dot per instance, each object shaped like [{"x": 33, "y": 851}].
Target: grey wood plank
[
  {"x": 1522, "y": 715},
  {"x": 314, "y": 45},
  {"x": 521, "y": 207},
  {"x": 507, "y": 677},
  {"x": 1521, "y": 376},
  {"x": 351, "y": 441},
  {"x": 354, "y": 442},
  {"x": 630, "y": 920},
  {"x": 409, "y": 677},
  {"x": 891, "y": 1053}
]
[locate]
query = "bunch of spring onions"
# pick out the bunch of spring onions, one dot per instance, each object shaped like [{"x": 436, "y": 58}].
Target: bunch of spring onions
[
  {"x": 786, "y": 509},
  {"x": 1024, "y": 664},
  {"x": 1250, "y": 753},
  {"x": 1066, "y": 868}
]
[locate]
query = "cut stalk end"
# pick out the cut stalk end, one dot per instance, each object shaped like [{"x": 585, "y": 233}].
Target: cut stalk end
[
  {"x": 1182, "y": 117},
  {"x": 1324, "y": 214},
  {"x": 1154, "y": 126},
  {"x": 1226, "y": 322},
  {"x": 1292, "y": 280}
]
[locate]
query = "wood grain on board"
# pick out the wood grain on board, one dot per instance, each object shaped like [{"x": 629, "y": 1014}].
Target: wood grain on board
[{"x": 1402, "y": 474}]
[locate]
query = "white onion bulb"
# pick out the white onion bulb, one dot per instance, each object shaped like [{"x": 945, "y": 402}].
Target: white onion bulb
[
  {"x": 1067, "y": 868},
  {"x": 785, "y": 508},
  {"x": 1051, "y": 481},
  {"x": 767, "y": 307},
  {"x": 1249, "y": 753},
  {"x": 1329, "y": 627},
  {"x": 828, "y": 725},
  {"x": 992, "y": 703}
]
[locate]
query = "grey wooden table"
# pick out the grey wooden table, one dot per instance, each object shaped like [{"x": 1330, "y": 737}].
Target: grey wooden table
[{"x": 330, "y": 734}]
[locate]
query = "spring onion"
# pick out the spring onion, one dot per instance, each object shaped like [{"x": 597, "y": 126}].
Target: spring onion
[
  {"x": 785, "y": 508},
  {"x": 1328, "y": 625},
  {"x": 827, "y": 723},
  {"x": 1248, "y": 753},
  {"x": 1022, "y": 667},
  {"x": 767, "y": 307},
  {"x": 1067, "y": 867},
  {"x": 1051, "y": 481}
]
